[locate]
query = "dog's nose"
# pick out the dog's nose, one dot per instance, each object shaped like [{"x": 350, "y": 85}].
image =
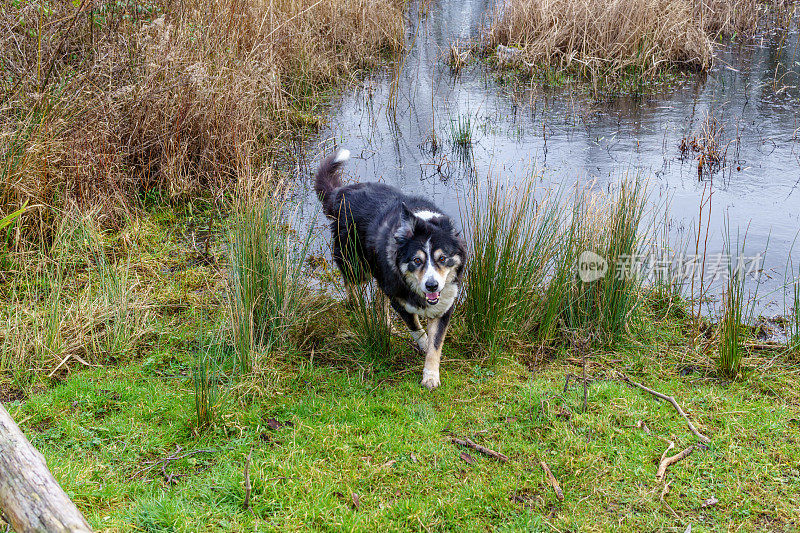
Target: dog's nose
[{"x": 432, "y": 285}]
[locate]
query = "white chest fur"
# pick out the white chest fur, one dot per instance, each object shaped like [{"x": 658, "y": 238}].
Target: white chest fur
[{"x": 446, "y": 299}]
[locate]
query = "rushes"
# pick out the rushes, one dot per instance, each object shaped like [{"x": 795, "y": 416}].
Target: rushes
[
  {"x": 461, "y": 130},
  {"x": 513, "y": 241},
  {"x": 369, "y": 321},
  {"x": 794, "y": 324},
  {"x": 735, "y": 313},
  {"x": 206, "y": 386},
  {"x": 609, "y": 226},
  {"x": 522, "y": 281},
  {"x": 792, "y": 311},
  {"x": 265, "y": 290}
]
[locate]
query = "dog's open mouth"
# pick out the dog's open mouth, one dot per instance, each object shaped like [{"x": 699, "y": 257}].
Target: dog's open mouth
[{"x": 432, "y": 297}]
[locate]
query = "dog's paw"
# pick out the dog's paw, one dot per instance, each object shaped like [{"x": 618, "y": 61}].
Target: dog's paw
[{"x": 430, "y": 380}]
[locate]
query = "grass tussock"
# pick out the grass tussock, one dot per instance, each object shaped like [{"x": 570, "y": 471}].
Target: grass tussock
[
  {"x": 72, "y": 305},
  {"x": 600, "y": 40},
  {"x": 792, "y": 307},
  {"x": 526, "y": 251},
  {"x": 106, "y": 102},
  {"x": 513, "y": 244},
  {"x": 265, "y": 288},
  {"x": 737, "y": 308},
  {"x": 369, "y": 323}
]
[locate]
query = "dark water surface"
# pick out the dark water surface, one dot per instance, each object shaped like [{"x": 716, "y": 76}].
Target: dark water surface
[{"x": 754, "y": 90}]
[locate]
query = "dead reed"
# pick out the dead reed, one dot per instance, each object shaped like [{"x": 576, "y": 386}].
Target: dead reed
[
  {"x": 600, "y": 40},
  {"x": 105, "y": 102}
]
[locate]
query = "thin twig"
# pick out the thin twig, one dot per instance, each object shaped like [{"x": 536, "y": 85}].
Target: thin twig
[
  {"x": 552, "y": 480},
  {"x": 671, "y": 400},
  {"x": 482, "y": 449},
  {"x": 173, "y": 457},
  {"x": 664, "y": 492}
]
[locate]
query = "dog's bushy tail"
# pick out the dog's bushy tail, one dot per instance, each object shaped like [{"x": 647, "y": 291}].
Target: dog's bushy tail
[{"x": 328, "y": 180}]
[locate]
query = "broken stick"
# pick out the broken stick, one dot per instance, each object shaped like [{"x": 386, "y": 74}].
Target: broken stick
[
  {"x": 669, "y": 399},
  {"x": 666, "y": 462},
  {"x": 482, "y": 449},
  {"x": 247, "y": 485},
  {"x": 552, "y": 480}
]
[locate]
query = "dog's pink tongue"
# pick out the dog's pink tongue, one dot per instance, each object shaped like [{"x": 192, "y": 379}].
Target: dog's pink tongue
[{"x": 432, "y": 295}]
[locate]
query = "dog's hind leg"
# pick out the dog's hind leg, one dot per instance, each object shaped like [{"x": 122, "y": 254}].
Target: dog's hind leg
[
  {"x": 412, "y": 321},
  {"x": 437, "y": 328}
]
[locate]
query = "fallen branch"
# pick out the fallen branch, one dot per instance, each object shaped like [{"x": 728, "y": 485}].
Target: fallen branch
[
  {"x": 669, "y": 399},
  {"x": 30, "y": 497},
  {"x": 552, "y": 480},
  {"x": 670, "y": 445},
  {"x": 666, "y": 462},
  {"x": 482, "y": 449}
]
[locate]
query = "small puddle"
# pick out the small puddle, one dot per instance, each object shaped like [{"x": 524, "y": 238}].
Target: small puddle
[{"x": 753, "y": 89}]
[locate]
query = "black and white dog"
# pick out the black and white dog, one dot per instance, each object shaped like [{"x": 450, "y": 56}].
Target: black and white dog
[{"x": 406, "y": 243}]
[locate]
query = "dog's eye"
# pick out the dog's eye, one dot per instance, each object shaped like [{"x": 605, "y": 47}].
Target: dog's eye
[
  {"x": 417, "y": 261},
  {"x": 442, "y": 258}
]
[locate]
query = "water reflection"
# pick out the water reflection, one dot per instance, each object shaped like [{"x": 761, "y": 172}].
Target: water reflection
[{"x": 401, "y": 129}]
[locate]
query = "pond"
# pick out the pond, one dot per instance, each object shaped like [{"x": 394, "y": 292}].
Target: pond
[{"x": 401, "y": 128}]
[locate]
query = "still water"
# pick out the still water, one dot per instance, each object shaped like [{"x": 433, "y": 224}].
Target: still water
[{"x": 389, "y": 123}]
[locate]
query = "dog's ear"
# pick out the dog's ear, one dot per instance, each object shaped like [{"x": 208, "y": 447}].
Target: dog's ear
[{"x": 408, "y": 221}]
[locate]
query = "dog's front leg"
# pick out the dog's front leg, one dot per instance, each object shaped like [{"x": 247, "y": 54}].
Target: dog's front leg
[
  {"x": 412, "y": 321},
  {"x": 437, "y": 328}
]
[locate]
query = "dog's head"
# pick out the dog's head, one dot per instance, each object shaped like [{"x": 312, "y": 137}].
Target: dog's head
[{"x": 430, "y": 252}]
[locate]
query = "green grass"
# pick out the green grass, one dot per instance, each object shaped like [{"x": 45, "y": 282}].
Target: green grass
[
  {"x": 384, "y": 439},
  {"x": 325, "y": 425}
]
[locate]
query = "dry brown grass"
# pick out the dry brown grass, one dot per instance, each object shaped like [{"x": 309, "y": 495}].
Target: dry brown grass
[
  {"x": 108, "y": 100},
  {"x": 720, "y": 18},
  {"x": 602, "y": 39}
]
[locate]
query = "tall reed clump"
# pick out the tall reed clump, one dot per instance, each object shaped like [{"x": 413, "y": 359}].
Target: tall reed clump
[
  {"x": 794, "y": 324},
  {"x": 609, "y": 226},
  {"x": 370, "y": 322},
  {"x": 734, "y": 313},
  {"x": 792, "y": 309},
  {"x": 105, "y": 103},
  {"x": 206, "y": 377},
  {"x": 265, "y": 286},
  {"x": 526, "y": 246},
  {"x": 513, "y": 240},
  {"x": 600, "y": 40}
]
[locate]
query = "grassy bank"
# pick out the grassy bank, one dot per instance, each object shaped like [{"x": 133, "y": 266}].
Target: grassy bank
[
  {"x": 343, "y": 447},
  {"x": 156, "y": 437}
]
